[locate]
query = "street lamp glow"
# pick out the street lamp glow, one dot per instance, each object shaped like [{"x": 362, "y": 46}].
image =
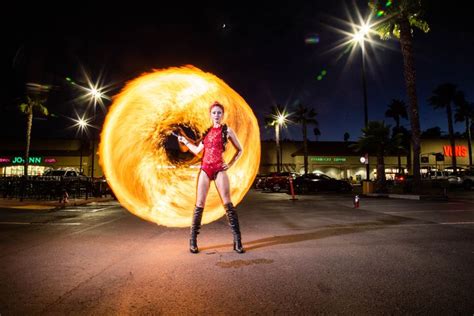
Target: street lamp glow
[
  {"x": 81, "y": 123},
  {"x": 96, "y": 94},
  {"x": 361, "y": 35},
  {"x": 281, "y": 120}
]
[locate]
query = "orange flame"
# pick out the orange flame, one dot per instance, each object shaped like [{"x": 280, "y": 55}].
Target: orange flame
[{"x": 135, "y": 161}]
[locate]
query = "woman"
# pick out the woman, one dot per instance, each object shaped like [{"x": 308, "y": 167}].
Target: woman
[{"x": 214, "y": 168}]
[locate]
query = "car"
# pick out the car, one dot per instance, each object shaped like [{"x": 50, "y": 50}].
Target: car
[
  {"x": 277, "y": 182},
  {"x": 259, "y": 182},
  {"x": 68, "y": 174},
  {"x": 315, "y": 182},
  {"x": 453, "y": 179},
  {"x": 400, "y": 178},
  {"x": 468, "y": 179}
]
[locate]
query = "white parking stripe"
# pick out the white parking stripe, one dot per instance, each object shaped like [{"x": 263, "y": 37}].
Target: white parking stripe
[
  {"x": 104, "y": 208},
  {"x": 457, "y": 223}
]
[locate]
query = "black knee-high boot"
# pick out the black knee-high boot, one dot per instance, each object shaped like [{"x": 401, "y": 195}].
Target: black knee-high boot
[
  {"x": 195, "y": 229},
  {"x": 234, "y": 225}
]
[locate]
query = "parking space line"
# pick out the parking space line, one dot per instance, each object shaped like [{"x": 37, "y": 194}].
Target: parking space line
[
  {"x": 457, "y": 223},
  {"x": 104, "y": 208}
]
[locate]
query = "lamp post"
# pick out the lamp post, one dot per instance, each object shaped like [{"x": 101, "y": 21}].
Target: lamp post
[
  {"x": 279, "y": 122},
  {"x": 82, "y": 125},
  {"x": 359, "y": 38}
]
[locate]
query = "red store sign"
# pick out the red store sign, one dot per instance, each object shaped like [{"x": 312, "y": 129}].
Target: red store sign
[{"x": 461, "y": 151}]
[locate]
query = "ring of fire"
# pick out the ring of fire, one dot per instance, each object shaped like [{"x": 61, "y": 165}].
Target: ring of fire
[{"x": 135, "y": 161}]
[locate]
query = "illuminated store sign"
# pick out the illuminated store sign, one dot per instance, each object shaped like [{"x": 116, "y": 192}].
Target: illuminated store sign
[
  {"x": 31, "y": 160},
  {"x": 328, "y": 159},
  {"x": 461, "y": 151}
]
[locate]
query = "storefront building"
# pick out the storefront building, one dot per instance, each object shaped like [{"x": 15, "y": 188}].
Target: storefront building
[
  {"x": 335, "y": 159},
  {"x": 46, "y": 154},
  {"x": 339, "y": 160}
]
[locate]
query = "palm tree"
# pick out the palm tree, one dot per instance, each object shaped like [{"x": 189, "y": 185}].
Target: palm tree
[
  {"x": 304, "y": 116},
  {"x": 376, "y": 138},
  {"x": 316, "y": 132},
  {"x": 346, "y": 136},
  {"x": 31, "y": 105},
  {"x": 432, "y": 132},
  {"x": 397, "y": 20},
  {"x": 404, "y": 137},
  {"x": 276, "y": 118},
  {"x": 397, "y": 110},
  {"x": 443, "y": 96},
  {"x": 465, "y": 113}
]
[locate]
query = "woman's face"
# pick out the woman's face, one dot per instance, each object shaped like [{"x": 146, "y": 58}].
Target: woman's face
[{"x": 216, "y": 114}]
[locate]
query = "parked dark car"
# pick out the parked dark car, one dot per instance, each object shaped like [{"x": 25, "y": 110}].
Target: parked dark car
[
  {"x": 259, "y": 182},
  {"x": 277, "y": 182},
  {"x": 319, "y": 182}
]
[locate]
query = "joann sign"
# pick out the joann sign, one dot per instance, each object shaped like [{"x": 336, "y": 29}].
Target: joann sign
[{"x": 18, "y": 160}]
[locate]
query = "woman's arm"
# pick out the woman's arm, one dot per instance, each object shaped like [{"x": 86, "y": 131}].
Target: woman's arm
[
  {"x": 195, "y": 149},
  {"x": 235, "y": 141}
]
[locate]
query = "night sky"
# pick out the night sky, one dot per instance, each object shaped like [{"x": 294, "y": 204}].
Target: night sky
[{"x": 259, "y": 50}]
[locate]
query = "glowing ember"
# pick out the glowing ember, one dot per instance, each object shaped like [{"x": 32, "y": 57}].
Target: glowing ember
[{"x": 135, "y": 161}]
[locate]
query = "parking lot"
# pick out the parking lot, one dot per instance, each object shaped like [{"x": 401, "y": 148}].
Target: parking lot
[{"x": 314, "y": 255}]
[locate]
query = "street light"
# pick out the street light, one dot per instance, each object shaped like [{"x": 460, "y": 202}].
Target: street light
[
  {"x": 359, "y": 37},
  {"x": 96, "y": 95},
  {"x": 82, "y": 124},
  {"x": 279, "y": 120}
]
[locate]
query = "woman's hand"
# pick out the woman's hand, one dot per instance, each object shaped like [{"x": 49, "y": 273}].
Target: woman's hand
[
  {"x": 183, "y": 140},
  {"x": 225, "y": 166}
]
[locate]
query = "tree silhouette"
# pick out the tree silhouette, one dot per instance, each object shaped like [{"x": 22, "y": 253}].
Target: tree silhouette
[
  {"x": 376, "y": 138},
  {"x": 465, "y": 113},
  {"x": 397, "y": 20},
  {"x": 443, "y": 97},
  {"x": 346, "y": 136},
  {"x": 397, "y": 110},
  {"x": 304, "y": 116},
  {"x": 32, "y": 104}
]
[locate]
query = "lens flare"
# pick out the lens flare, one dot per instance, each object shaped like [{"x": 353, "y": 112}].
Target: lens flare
[
  {"x": 140, "y": 120},
  {"x": 312, "y": 39}
]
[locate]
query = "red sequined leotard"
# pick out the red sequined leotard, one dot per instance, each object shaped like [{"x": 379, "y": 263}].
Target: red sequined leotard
[{"x": 212, "y": 160}]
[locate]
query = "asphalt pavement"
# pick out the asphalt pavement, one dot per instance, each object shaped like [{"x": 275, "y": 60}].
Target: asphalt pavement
[{"x": 316, "y": 255}]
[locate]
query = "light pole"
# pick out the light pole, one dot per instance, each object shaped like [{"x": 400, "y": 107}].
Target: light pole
[
  {"x": 82, "y": 125},
  {"x": 359, "y": 38},
  {"x": 279, "y": 122}
]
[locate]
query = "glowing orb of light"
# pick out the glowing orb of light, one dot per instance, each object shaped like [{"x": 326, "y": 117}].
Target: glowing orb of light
[{"x": 135, "y": 161}]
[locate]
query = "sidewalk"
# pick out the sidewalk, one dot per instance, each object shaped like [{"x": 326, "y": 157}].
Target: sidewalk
[{"x": 47, "y": 205}]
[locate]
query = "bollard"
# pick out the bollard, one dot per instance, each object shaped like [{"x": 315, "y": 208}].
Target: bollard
[
  {"x": 292, "y": 190},
  {"x": 356, "y": 201},
  {"x": 64, "y": 197}
]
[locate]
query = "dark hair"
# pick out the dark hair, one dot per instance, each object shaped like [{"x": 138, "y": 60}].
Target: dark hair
[{"x": 224, "y": 135}]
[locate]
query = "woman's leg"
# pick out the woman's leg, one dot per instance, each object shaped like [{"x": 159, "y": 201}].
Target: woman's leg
[
  {"x": 202, "y": 189},
  {"x": 223, "y": 187}
]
